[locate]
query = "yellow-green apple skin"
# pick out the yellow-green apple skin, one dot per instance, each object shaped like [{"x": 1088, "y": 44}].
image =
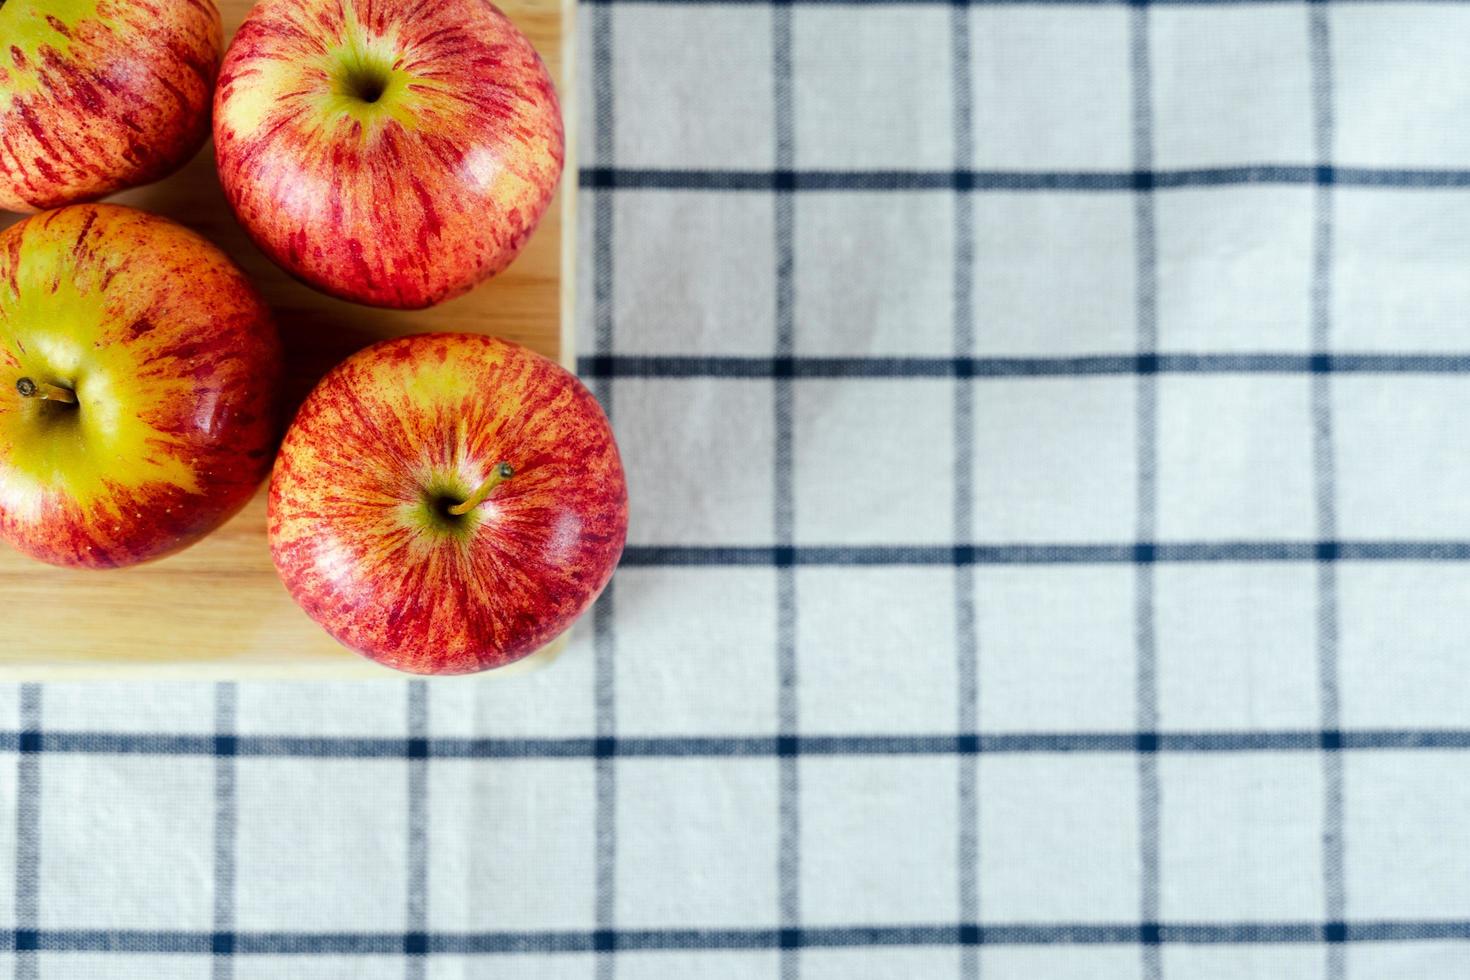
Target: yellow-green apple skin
[
  {"x": 390, "y": 152},
  {"x": 175, "y": 368},
  {"x": 100, "y": 95},
  {"x": 361, "y": 518}
]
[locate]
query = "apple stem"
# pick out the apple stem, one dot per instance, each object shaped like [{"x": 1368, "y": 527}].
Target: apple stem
[
  {"x": 43, "y": 391},
  {"x": 501, "y": 473}
]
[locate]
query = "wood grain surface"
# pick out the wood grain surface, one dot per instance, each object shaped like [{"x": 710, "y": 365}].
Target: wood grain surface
[{"x": 217, "y": 610}]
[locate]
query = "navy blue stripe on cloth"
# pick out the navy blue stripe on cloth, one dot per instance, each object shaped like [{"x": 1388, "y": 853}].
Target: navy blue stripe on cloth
[
  {"x": 966, "y": 629},
  {"x": 783, "y": 495},
  {"x": 604, "y": 632},
  {"x": 674, "y": 746},
  {"x": 1146, "y": 278},
  {"x": 675, "y": 366},
  {"x": 647, "y": 556},
  {"x": 226, "y": 821},
  {"x": 416, "y": 888},
  {"x": 505, "y": 942},
  {"x": 1324, "y": 475},
  {"x": 813, "y": 180},
  {"x": 29, "y": 744}
]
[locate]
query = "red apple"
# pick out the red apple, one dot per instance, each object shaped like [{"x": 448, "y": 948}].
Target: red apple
[
  {"x": 99, "y": 95},
  {"x": 447, "y": 503},
  {"x": 390, "y": 152},
  {"x": 138, "y": 386}
]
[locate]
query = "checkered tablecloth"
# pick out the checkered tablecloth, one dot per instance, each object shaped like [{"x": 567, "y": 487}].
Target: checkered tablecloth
[{"x": 1050, "y": 547}]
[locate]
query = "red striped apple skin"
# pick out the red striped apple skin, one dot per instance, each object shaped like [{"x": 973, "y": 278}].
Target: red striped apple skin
[
  {"x": 100, "y": 95},
  {"x": 176, "y": 370},
  {"x": 394, "y": 434},
  {"x": 390, "y": 152}
]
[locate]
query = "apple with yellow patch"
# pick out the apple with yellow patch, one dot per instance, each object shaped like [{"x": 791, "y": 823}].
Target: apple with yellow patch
[
  {"x": 390, "y": 152},
  {"x": 139, "y": 378},
  {"x": 447, "y": 503}
]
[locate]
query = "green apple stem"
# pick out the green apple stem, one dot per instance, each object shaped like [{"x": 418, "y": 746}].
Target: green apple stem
[
  {"x": 501, "y": 473},
  {"x": 43, "y": 391}
]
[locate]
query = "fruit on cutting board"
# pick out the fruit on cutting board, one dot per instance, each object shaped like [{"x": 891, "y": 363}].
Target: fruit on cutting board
[
  {"x": 99, "y": 95},
  {"x": 139, "y": 373},
  {"x": 447, "y": 503},
  {"x": 389, "y": 152}
]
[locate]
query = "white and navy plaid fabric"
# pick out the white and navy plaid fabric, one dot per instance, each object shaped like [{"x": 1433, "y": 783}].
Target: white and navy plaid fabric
[{"x": 1050, "y": 553}]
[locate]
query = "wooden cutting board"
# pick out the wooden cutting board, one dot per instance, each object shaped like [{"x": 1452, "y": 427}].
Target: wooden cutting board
[{"x": 217, "y": 610}]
